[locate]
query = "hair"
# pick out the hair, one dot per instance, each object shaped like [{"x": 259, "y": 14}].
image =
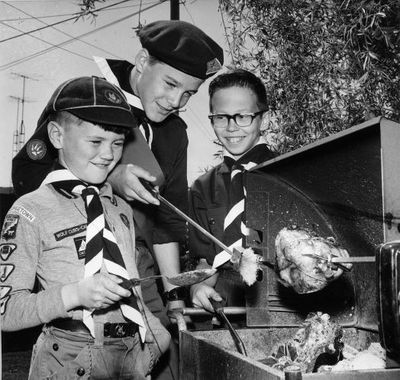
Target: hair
[
  {"x": 153, "y": 60},
  {"x": 67, "y": 118},
  {"x": 240, "y": 78}
]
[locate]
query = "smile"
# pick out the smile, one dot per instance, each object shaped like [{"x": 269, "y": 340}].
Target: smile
[
  {"x": 101, "y": 165},
  {"x": 164, "y": 110},
  {"x": 235, "y": 140}
]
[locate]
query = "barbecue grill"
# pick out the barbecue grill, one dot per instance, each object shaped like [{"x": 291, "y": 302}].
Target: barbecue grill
[{"x": 346, "y": 187}]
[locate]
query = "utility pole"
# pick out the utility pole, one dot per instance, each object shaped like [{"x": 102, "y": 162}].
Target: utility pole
[
  {"x": 19, "y": 133},
  {"x": 15, "y": 142},
  {"x": 174, "y": 9}
]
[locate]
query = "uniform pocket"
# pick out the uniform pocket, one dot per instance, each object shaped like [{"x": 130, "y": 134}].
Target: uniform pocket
[{"x": 61, "y": 355}]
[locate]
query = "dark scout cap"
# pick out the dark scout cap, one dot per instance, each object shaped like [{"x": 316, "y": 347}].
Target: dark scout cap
[
  {"x": 91, "y": 99},
  {"x": 182, "y": 46}
]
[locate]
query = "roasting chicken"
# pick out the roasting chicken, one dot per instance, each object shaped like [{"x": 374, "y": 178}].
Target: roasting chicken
[{"x": 304, "y": 261}]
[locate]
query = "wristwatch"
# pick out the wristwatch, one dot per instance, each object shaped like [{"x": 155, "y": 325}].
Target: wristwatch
[{"x": 175, "y": 294}]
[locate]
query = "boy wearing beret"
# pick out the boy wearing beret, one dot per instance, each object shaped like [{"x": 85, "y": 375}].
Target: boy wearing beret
[
  {"x": 76, "y": 238},
  {"x": 175, "y": 59}
]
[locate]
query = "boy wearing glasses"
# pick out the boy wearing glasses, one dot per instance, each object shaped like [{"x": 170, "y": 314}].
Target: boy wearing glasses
[{"x": 237, "y": 102}]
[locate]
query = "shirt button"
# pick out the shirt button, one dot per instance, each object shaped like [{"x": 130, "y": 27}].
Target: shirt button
[
  {"x": 211, "y": 221},
  {"x": 80, "y": 371},
  {"x": 55, "y": 347}
]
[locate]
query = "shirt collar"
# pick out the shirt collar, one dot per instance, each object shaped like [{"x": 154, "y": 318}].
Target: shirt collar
[{"x": 108, "y": 74}]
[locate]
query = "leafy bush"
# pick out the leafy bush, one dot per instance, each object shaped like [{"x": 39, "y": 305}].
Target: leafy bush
[{"x": 327, "y": 64}]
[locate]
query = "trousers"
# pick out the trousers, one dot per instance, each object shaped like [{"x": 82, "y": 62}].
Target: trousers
[{"x": 66, "y": 355}]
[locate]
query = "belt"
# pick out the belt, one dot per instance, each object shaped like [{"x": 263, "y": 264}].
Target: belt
[{"x": 111, "y": 330}]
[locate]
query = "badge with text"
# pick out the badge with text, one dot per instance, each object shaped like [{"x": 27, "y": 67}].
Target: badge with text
[
  {"x": 23, "y": 212},
  {"x": 71, "y": 231},
  {"x": 6, "y": 250},
  {"x": 10, "y": 227},
  {"x": 80, "y": 245},
  {"x": 5, "y": 271}
]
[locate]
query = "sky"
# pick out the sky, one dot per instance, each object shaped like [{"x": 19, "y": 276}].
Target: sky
[{"x": 51, "y": 55}]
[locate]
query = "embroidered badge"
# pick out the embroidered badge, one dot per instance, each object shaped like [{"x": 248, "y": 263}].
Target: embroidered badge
[
  {"x": 213, "y": 66},
  {"x": 36, "y": 149},
  {"x": 125, "y": 220},
  {"x": 5, "y": 271},
  {"x": 70, "y": 232},
  {"x": 6, "y": 250},
  {"x": 23, "y": 212},
  {"x": 10, "y": 227},
  {"x": 112, "y": 97},
  {"x": 80, "y": 245},
  {"x": 4, "y": 290}
]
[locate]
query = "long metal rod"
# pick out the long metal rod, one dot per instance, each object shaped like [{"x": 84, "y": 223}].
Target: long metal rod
[
  {"x": 194, "y": 224},
  {"x": 354, "y": 259}
]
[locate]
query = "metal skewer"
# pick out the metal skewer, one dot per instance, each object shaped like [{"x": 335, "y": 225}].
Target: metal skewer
[
  {"x": 354, "y": 259},
  {"x": 157, "y": 195}
]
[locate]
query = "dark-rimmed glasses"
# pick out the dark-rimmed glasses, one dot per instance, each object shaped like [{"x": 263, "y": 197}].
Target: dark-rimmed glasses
[{"x": 242, "y": 120}]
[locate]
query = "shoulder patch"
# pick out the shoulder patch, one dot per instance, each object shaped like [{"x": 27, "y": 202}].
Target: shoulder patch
[
  {"x": 125, "y": 220},
  {"x": 36, "y": 149},
  {"x": 23, "y": 212},
  {"x": 71, "y": 231},
  {"x": 4, "y": 290},
  {"x": 6, "y": 250},
  {"x": 10, "y": 227},
  {"x": 80, "y": 245},
  {"x": 5, "y": 271}
]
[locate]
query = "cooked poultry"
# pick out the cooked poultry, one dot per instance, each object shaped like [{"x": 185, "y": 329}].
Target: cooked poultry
[{"x": 304, "y": 261}]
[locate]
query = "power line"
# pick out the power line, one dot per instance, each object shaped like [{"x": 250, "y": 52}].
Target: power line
[
  {"x": 56, "y": 23},
  {"x": 59, "y": 30},
  {"x": 61, "y": 15},
  {"x": 54, "y": 46},
  {"x": 27, "y": 58}
]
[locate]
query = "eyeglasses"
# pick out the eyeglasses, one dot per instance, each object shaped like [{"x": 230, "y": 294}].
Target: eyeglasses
[{"x": 242, "y": 120}]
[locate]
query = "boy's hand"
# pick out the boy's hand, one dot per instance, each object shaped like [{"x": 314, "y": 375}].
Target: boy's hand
[
  {"x": 101, "y": 291},
  {"x": 125, "y": 181},
  {"x": 95, "y": 292},
  {"x": 200, "y": 294}
]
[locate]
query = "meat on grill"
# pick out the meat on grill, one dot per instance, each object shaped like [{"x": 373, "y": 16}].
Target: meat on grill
[{"x": 303, "y": 260}]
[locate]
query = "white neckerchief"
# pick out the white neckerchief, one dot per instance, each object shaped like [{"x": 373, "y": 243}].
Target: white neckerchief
[{"x": 133, "y": 100}]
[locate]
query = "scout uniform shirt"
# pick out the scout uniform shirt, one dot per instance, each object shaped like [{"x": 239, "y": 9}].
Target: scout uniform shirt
[{"x": 43, "y": 238}]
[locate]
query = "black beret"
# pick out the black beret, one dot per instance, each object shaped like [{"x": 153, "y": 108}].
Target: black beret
[{"x": 182, "y": 46}]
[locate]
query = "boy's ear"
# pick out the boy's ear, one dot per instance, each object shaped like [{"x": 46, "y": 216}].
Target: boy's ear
[
  {"x": 55, "y": 132},
  {"x": 141, "y": 59}
]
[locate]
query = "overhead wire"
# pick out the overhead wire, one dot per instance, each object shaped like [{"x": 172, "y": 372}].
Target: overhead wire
[
  {"x": 56, "y": 23},
  {"x": 27, "y": 58},
  {"x": 49, "y": 43},
  {"x": 61, "y": 31},
  {"x": 61, "y": 15}
]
